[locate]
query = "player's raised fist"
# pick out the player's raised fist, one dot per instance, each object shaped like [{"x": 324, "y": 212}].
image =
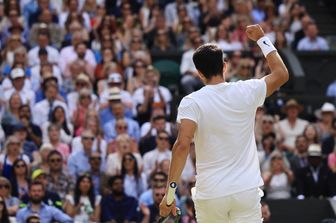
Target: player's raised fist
[{"x": 254, "y": 32}]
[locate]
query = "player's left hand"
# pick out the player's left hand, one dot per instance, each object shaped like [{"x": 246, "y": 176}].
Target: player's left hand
[{"x": 165, "y": 210}]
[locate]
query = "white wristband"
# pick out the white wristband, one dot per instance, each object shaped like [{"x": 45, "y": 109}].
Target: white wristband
[{"x": 266, "y": 45}]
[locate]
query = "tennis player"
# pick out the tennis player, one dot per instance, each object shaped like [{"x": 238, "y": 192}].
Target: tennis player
[{"x": 220, "y": 118}]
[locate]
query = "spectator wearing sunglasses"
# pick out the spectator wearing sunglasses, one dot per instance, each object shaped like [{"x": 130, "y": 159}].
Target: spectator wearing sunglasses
[
  {"x": 11, "y": 202},
  {"x": 4, "y": 216},
  {"x": 98, "y": 177},
  {"x": 59, "y": 180},
  {"x": 78, "y": 162}
]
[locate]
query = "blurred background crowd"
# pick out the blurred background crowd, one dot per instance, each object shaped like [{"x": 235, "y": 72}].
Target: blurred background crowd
[{"x": 88, "y": 111}]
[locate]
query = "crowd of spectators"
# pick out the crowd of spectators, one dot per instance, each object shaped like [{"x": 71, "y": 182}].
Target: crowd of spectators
[{"x": 87, "y": 128}]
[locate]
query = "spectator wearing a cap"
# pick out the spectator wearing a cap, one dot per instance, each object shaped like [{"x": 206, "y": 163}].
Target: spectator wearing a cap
[
  {"x": 12, "y": 151},
  {"x": 17, "y": 77},
  {"x": 48, "y": 214},
  {"x": 151, "y": 95},
  {"x": 315, "y": 180},
  {"x": 50, "y": 198},
  {"x": 292, "y": 126},
  {"x": 117, "y": 110},
  {"x": 43, "y": 109},
  {"x": 59, "y": 180},
  {"x": 43, "y": 42},
  {"x": 44, "y": 66},
  {"x": 34, "y": 133},
  {"x": 82, "y": 81},
  {"x": 116, "y": 80},
  {"x": 326, "y": 115}
]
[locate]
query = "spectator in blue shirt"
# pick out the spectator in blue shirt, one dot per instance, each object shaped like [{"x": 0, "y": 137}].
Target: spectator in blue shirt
[
  {"x": 48, "y": 214},
  {"x": 118, "y": 207},
  {"x": 78, "y": 162}
]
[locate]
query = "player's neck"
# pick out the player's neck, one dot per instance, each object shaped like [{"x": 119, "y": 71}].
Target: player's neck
[{"x": 215, "y": 80}]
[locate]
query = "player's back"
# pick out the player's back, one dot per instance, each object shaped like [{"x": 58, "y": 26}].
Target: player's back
[{"x": 225, "y": 145}]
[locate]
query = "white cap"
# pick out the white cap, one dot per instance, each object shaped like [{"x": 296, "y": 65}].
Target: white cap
[
  {"x": 328, "y": 107},
  {"x": 114, "y": 94},
  {"x": 17, "y": 73},
  {"x": 114, "y": 78},
  {"x": 314, "y": 150}
]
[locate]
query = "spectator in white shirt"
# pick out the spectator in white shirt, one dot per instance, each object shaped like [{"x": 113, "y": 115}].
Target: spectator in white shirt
[
  {"x": 162, "y": 151},
  {"x": 17, "y": 77},
  {"x": 42, "y": 110},
  {"x": 190, "y": 80},
  {"x": 312, "y": 41},
  {"x": 43, "y": 42}
]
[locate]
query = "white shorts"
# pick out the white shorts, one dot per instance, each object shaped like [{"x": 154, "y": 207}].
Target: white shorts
[{"x": 242, "y": 207}]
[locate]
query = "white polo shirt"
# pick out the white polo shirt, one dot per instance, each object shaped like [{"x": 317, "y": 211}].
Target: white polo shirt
[{"x": 226, "y": 151}]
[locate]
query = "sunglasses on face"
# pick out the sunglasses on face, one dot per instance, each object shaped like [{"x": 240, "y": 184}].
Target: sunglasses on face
[
  {"x": 6, "y": 186},
  {"x": 122, "y": 127},
  {"x": 268, "y": 122},
  {"x": 88, "y": 138},
  {"x": 14, "y": 143},
  {"x": 95, "y": 158},
  {"x": 128, "y": 159},
  {"x": 20, "y": 165},
  {"x": 55, "y": 160},
  {"x": 163, "y": 138}
]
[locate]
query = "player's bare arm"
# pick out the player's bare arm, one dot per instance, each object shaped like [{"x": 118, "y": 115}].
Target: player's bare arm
[
  {"x": 279, "y": 73},
  {"x": 180, "y": 153}
]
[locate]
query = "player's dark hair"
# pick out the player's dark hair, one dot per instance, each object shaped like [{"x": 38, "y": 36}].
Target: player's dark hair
[{"x": 208, "y": 59}]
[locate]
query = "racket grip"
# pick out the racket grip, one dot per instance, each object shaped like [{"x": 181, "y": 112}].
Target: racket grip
[{"x": 171, "y": 193}]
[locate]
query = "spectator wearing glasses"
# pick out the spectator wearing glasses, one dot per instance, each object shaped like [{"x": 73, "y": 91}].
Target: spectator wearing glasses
[
  {"x": 151, "y": 213},
  {"x": 12, "y": 152},
  {"x": 135, "y": 182},
  {"x": 47, "y": 213},
  {"x": 98, "y": 176},
  {"x": 59, "y": 179},
  {"x": 12, "y": 203},
  {"x": 157, "y": 179},
  {"x": 50, "y": 198},
  {"x": 78, "y": 162},
  {"x": 19, "y": 178},
  {"x": 161, "y": 152},
  {"x": 118, "y": 207},
  {"x": 121, "y": 127}
]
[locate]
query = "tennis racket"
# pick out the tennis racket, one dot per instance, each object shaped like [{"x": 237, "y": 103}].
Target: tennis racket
[{"x": 170, "y": 199}]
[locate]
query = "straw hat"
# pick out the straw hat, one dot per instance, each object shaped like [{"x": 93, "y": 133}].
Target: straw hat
[{"x": 292, "y": 103}]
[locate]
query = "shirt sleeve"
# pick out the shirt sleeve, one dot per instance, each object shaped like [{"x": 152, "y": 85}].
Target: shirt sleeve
[
  {"x": 188, "y": 109},
  {"x": 60, "y": 216},
  {"x": 253, "y": 92}
]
